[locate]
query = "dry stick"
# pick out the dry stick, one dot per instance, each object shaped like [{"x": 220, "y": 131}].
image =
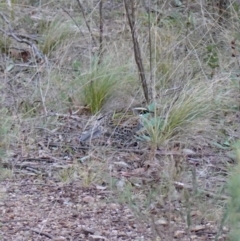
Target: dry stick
[
  {"x": 152, "y": 86},
  {"x": 221, "y": 10},
  {"x": 100, "y": 33},
  {"x": 30, "y": 37},
  {"x": 13, "y": 221},
  {"x": 64, "y": 10},
  {"x": 187, "y": 40},
  {"x": 137, "y": 52},
  {"x": 234, "y": 54},
  {"x": 37, "y": 232},
  {"x": 85, "y": 19},
  {"x": 38, "y": 54},
  {"x": 181, "y": 185}
]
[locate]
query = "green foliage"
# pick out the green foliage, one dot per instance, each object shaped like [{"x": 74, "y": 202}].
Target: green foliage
[
  {"x": 236, "y": 6},
  {"x": 174, "y": 19},
  {"x": 212, "y": 56},
  {"x": 154, "y": 128},
  {"x": 76, "y": 65}
]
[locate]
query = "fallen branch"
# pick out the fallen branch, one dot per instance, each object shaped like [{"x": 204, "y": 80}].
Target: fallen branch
[
  {"x": 38, "y": 232},
  {"x": 37, "y": 53}
]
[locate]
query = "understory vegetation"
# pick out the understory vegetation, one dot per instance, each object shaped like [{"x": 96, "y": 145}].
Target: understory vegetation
[{"x": 64, "y": 63}]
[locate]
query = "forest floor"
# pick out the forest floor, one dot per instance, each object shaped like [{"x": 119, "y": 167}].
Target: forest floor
[{"x": 53, "y": 188}]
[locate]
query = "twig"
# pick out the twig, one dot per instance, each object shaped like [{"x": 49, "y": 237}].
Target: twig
[
  {"x": 221, "y": 10},
  {"x": 85, "y": 19},
  {"x": 137, "y": 52},
  {"x": 74, "y": 117},
  {"x": 64, "y": 10},
  {"x": 100, "y": 33},
  {"x": 207, "y": 193},
  {"x": 38, "y": 232},
  {"x": 13, "y": 221},
  {"x": 38, "y": 55},
  {"x": 34, "y": 38}
]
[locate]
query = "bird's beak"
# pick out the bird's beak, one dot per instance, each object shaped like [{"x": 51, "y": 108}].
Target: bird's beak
[{"x": 140, "y": 111}]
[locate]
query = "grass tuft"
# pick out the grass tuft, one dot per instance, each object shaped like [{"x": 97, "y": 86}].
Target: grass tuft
[
  {"x": 5, "y": 127},
  {"x": 234, "y": 202},
  {"x": 192, "y": 103},
  {"x": 55, "y": 33},
  {"x": 98, "y": 85}
]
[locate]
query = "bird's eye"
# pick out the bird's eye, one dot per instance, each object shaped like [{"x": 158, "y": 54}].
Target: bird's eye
[
  {"x": 143, "y": 112},
  {"x": 140, "y": 111}
]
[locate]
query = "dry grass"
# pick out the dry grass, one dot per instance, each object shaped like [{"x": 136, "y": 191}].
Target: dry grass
[
  {"x": 196, "y": 103},
  {"x": 55, "y": 33}
]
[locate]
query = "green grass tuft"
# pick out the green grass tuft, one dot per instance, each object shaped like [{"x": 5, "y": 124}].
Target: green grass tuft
[
  {"x": 189, "y": 105},
  {"x": 98, "y": 85}
]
